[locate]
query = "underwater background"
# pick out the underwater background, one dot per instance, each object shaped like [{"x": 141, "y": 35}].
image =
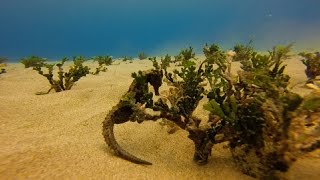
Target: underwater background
[{"x": 58, "y": 28}]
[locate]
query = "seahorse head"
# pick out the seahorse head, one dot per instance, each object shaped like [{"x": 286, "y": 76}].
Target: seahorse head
[{"x": 154, "y": 77}]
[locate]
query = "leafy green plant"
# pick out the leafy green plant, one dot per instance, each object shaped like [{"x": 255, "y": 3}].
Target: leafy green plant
[
  {"x": 103, "y": 62},
  {"x": 3, "y": 61},
  {"x": 210, "y": 50},
  {"x": 126, "y": 58},
  {"x": 251, "y": 110},
  {"x": 65, "y": 80},
  {"x": 185, "y": 92},
  {"x": 262, "y": 77},
  {"x": 32, "y": 61},
  {"x": 142, "y": 56},
  {"x": 165, "y": 62},
  {"x": 267, "y": 71},
  {"x": 188, "y": 81},
  {"x": 312, "y": 63},
  {"x": 243, "y": 52},
  {"x": 155, "y": 63},
  {"x": 185, "y": 55}
]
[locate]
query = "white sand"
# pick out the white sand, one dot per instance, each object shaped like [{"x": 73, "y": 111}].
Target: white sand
[{"x": 59, "y": 135}]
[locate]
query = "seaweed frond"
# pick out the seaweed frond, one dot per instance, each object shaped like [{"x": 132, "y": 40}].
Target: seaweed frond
[
  {"x": 3, "y": 64},
  {"x": 142, "y": 56},
  {"x": 312, "y": 63},
  {"x": 126, "y": 58},
  {"x": 185, "y": 55},
  {"x": 103, "y": 62},
  {"x": 155, "y": 63},
  {"x": 65, "y": 80},
  {"x": 165, "y": 62},
  {"x": 3, "y": 60},
  {"x": 243, "y": 51},
  {"x": 32, "y": 61}
]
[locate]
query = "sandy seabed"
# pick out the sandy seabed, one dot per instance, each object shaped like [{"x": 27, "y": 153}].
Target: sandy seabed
[{"x": 59, "y": 135}]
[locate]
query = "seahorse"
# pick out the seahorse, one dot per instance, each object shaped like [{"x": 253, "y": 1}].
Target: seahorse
[{"x": 130, "y": 108}]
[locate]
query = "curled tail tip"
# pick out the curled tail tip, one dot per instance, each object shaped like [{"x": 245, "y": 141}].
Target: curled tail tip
[
  {"x": 115, "y": 147},
  {"x": 129, "y": 157},
  {"x": 143, "y": 162}
]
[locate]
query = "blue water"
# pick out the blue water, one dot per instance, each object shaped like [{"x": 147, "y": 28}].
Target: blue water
[{"x": 58, "y": 28}]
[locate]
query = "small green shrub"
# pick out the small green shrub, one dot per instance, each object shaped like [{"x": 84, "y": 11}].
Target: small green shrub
[
  {"x": 165, "y": 62},
  {"x": 243, "y": 52},
  {"x": 268, "y": 70},
  {"x": 3, "y": 61},
  {"x": 65, "y": 80},
  {"x": 185, "y": 55},
  {"x": 312, "y": 63},
  {"x": 103, "y": 62},
  {"x": 126, "y": 58},
  {"x": 208, "y": 51},
  {"x": 155, "y": 64},
  {"x": 252, "y": 109},
  {"x": 32, "y": 61},
  {"x": 142, "y": 56}
]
